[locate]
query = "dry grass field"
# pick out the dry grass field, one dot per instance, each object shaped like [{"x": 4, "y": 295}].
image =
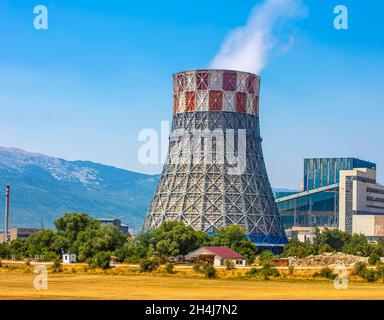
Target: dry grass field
[{"x": 19, "y": 285}]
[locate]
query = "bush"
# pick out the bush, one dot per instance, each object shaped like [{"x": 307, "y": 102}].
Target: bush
[
  {"x": 265, "y": 255},
  {"x": 57, "y": 267},
  {"x": 209, "y": 271},
  {"x": 373, "y": 259},
  {"x": 268, "y": 270},
  {"x": 370, "y": 275},
  {"x": 197, "y": 268},
  {"x": 326, "y": 248},
  {"x": 290, "y": 270},
  {"x": 380, "y": 271},
  {"x": 169, "y": 268},
  {"x": 101, "y": 260},
  {"x": 149, "y": 265},
  {"x": 359, "y": 269},
  {"x": 326, "y": 273},
  {"x": 252, "y": 272}
]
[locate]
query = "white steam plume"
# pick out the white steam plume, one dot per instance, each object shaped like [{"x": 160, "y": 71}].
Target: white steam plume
[{"x": 246, "y": 48}]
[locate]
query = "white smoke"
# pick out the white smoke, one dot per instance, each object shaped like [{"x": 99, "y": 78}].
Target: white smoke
[{"x": 246, "y": 48}]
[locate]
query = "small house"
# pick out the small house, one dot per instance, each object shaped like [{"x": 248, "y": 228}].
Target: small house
[
  {"x": 218, "y": 256},
  {"x": 69, "y": 258}
]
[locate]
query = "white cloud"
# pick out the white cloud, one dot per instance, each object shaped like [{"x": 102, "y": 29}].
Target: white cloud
[{"x": 246, "y": 48}]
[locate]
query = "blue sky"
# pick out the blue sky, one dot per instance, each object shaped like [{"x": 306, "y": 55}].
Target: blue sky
[{"x": 84, "y": 88}]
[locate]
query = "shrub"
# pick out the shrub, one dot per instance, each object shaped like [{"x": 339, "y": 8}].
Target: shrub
[
  {"x": 326, "y": 273},
  {"x": 101, "y": 260},
  {"x": 268, "y": 270},
  {"x": 359, "y": 269},
  {"x": 265, "y": 255},
  {"x": 169, "y": 268},
  {"x": 252, "y": 272},
  {"x": 373, "y": 259},
  {"x": 370, "y": 275},
  {"x": 326, "y": 248},
  {"x": 209, "y": 271},
  {"x": 57, "y": 267},
  {"x": 380, "y": 271},
  {"x": 149, "y": 265},
  {"x": 197, "y": 268},
  {"x": 290, "y": 270}
]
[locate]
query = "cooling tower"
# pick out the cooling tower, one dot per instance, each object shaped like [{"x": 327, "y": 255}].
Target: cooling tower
[{"x": 215, "y": 175}]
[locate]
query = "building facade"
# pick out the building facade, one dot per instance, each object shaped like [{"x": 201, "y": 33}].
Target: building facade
[
  {"x": 337, "y": 193},
  {"x": 115, "y": 222},
  {"x": 22, "y": 233}
]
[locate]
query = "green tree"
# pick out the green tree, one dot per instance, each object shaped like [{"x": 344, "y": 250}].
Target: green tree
[
  {"x": 40, "y": 243},
  {"x": 149, "y": 265},
  {"x": 69, "y": 226},
  {"x": 326, "y": 248},
  {"x": 4, "y": 250},
  {"x": 101, "y": 260},
  {"x": 333, "y": 237},
  {"x": 373, "y": 259},
  {"x": 295, "y": 248},
  {"x": 18, "y": 248},
  {"x": 93, "y": 240},
  {"x": 136, "y": 248},
  {"x": 234, "y": 237},
  {"x": 174, "y": 238}
]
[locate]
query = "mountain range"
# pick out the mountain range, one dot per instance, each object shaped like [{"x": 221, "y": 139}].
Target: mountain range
[{"x": 43, "y": 188}]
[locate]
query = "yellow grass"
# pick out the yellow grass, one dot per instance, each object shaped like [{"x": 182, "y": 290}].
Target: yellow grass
[{"x": 15, "y": 284}]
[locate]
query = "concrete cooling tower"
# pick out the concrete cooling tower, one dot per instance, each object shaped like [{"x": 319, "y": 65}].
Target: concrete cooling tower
[{"x": 215, "y": 175}]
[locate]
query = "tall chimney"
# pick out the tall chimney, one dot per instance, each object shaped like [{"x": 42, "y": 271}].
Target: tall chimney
[{"x": 6, "y": 214}]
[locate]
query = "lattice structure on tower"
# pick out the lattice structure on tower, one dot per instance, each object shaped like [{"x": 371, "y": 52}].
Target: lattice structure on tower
[{"x": 218, "y": 111}]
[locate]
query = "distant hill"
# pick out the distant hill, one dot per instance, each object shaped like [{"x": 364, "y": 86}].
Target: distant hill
[{"x": 43, "y": 188}]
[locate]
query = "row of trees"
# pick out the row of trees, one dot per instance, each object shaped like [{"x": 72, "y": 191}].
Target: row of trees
[
  {"x": 88, "y": 239},
  {"x": 76, "y": 233},
  {"x": 91, "y": 241}
]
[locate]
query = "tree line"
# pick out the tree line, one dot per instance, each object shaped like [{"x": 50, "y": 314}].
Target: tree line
[{"x": 94, "y": 243}]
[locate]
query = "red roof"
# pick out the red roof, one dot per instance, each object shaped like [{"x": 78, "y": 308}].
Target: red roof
[{"x": 223, "y": 252}]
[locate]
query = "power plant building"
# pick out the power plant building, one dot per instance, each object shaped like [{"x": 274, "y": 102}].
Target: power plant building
[
  {"x": 215, "y": 175},
  {"x": 337, "y": 192}
]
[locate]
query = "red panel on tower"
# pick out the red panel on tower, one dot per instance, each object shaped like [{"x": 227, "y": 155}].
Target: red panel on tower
[
  {"x": 180, "y": 82},
  {"x": 229, "y": 80},
  {"x": 241, "y": 102},
  {"x": 215, "y": 100},
  {"x": 202, "y": 80},
  {"x": 251, "y": 82},
  {"x": 175, "y": 103},
  {"x": 256, "y": 105},
  {"x": 190, "y": 101}
]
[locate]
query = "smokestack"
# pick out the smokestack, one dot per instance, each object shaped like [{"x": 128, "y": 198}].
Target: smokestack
[{"x": 6, "y": 214}]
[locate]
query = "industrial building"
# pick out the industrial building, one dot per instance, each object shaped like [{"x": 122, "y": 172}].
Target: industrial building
[
  {"x": 204, "y": 190},
  {"x": 16, "y": 233},
  {"x": 123, "y": 228},
  {"x": 337, "y": 192}
]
